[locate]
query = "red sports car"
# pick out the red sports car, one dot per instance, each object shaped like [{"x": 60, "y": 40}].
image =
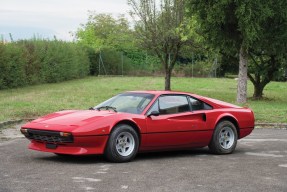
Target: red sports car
[{"x": 138, "y": 121}]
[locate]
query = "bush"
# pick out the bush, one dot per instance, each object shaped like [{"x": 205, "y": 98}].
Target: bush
[
  {"x": 144, "y": 63},
  {"x": 132, "y": 62},
  {"x": 12, "y": 67},
  {"x": 29, "y": 62},
  {"x": 199, "y": 69}
]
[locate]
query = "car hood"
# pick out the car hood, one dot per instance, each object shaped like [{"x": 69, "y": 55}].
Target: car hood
[{"x": 73, "y": 117}]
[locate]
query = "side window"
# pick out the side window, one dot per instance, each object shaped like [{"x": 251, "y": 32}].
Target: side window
[
  {"x": 170, "y": 104},
  {"x": 154, "y": 107},
  {"x": 198, "y": 105}
]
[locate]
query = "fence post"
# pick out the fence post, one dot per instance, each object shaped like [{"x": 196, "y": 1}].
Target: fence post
[{"x": 122, "y": 63}]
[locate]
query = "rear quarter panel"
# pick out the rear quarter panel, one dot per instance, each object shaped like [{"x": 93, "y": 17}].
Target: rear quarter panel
[{"x": 243, "y": 116}]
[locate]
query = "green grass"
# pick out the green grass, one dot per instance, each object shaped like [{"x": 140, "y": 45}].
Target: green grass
[{"x": 34, "y": 101}]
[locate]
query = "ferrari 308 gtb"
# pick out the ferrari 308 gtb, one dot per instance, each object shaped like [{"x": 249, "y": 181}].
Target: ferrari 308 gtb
[{"x": 139, "y": 121}]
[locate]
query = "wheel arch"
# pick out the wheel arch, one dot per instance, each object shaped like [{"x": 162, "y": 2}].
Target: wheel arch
[
  {"x": 130, "y": 123},
  {"x": 230, "y": 118}
]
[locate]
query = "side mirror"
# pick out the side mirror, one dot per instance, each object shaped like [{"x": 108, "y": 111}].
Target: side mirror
[{"x": 154, "y": 113}]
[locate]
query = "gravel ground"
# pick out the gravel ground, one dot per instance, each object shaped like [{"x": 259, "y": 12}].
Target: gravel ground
[{"x": 258, "y": 164}]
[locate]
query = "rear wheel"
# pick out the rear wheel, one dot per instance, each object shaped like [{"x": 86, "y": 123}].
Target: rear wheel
[
  {"x": 224, "y": 138},
  {"x": 123, "y": 144}
]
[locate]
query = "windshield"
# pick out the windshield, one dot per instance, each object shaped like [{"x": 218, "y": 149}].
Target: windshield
[{"x": 127, "y": 102}]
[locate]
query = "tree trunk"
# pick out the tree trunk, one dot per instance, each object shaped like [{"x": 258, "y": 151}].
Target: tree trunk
[
  {"x": 242, "y": 76},
  {"x": 167, "y": 80},
  {"x": 258, "y": 91}
]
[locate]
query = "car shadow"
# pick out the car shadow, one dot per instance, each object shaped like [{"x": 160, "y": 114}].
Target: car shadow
[
  {"x": 173, "y": 154},
  {"x": 90, "y": 159},
  {"x": 144, "y": 156},
  {"x": 72, "y": 159}
]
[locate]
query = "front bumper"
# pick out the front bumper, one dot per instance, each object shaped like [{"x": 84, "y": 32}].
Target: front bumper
[{"x": 83, "y": 145}]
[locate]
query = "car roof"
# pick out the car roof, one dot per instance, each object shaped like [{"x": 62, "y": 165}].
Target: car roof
[
  {"x": 159, "y": 92},
  {"x": 210, "y": 101},
  {"x": 162, "y": 92}
]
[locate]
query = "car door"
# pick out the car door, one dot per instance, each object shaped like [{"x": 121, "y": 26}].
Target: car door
[{"x": 173, "y": 123}]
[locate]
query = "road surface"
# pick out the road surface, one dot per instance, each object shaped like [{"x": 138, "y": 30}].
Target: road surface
[{"x": 258, "y": 164}]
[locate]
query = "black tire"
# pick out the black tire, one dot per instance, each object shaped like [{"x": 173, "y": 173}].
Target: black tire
[
  {"x": 112, "y": 153},
  {"x": 223, "y": 146}
]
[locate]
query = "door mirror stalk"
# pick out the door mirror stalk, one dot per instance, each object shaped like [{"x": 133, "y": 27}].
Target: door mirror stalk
[{"x": 154, "y": 113}]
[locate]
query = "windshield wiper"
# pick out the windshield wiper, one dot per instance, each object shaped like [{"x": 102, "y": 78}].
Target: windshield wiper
[{"x": 107, "y": 108}]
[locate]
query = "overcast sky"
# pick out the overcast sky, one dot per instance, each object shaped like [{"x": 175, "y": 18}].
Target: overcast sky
[{"x": 46, "y": 18}]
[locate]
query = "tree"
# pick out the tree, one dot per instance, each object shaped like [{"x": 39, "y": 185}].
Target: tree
[
  {"x": 232, "y": 26},
  {"x": 105, "y": 31},
  {"x": 107, "y": 39},
  {"x": 268, "y": 54},
  {"x": 163, "y": 29},
  {"x": 263, "y": 70}
]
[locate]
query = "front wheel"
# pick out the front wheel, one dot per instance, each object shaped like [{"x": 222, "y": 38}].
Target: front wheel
[
  {"x": 123, "y": 144},
  {"x": 224, "y": 138}
]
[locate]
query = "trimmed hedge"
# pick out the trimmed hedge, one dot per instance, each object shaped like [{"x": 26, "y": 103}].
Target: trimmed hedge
[{"x": 29, "y": 62}]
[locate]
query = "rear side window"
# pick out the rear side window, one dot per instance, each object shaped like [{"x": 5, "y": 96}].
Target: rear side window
[
  {"x": 171, "y": 104},
  {"x": 198, "y": 105}
]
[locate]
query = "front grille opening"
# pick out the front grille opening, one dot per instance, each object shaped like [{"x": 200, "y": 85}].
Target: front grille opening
[{"x": 48, "y": 136}]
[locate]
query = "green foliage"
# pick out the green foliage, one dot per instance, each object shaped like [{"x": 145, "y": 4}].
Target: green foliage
[
  {"x": 200, "y": 66},
  {"x": 268, "y": 53},
  {"x": 162, "y": 29},
  {"x": 115, "y": 49},
  {"x": 200, "y": 69},
  {"x": 93, "y": 58},
  {"x": 112, "y": 48},
  {"x": 144, "y": 62},
  {"x": 30, "y": 62},
  {"x": 12, "y": 66},
  {"x": 105, "y": 31},
  {"x": 246, "y": 28},
  {"x": 230, "y": 23},
  {"x": 69, "y": 62},
  {"x": 112, "y": 62},
  {"x": 229, "y": 65},
  {"x": 33, "y": 53}
]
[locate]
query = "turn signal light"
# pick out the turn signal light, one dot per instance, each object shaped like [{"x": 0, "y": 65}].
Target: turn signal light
[
  {"x": 24, "y": 131},
  {"x": 65, "y": 134}
]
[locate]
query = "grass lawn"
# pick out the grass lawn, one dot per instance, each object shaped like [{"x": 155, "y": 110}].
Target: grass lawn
[{"x": 34, "y": 101}]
